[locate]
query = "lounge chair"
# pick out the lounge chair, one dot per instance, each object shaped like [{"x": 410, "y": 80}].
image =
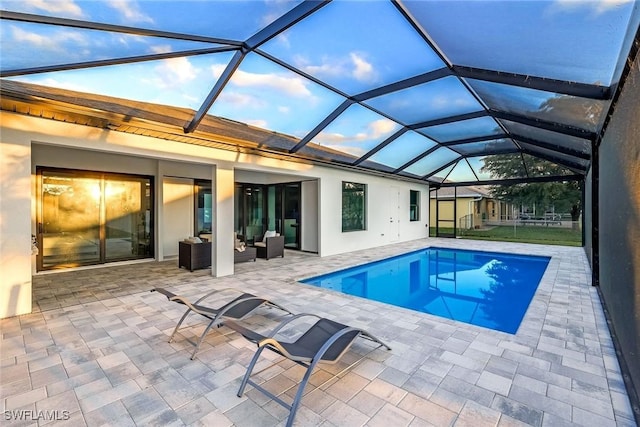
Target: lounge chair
[
  {"x": 238, "y": 308},
  {"x": 325, "y": 341}
]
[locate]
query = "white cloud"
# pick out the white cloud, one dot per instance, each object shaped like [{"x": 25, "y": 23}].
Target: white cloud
[
  {"x": 284, "y": 109},
  {"x": 130, "y": 10},
  {"x": 21, "y": 36},
  {"x": 161, "y": 49},
  {"x": 67, "y": 8},
  {"x": 54, "y": 42},
  {"x": 363, "y": 71},
  {"x": 378, "y": 129},
  {"x": 257, "y": 123},
  {"x": 292, "y": 86},
  {"x": 325, "y": 68},
  {"x": 381, "y": 127},
  {"x": 326, "y": 138},
  {"x": 59, "y": 84},
  {"x": 240, "y": 100},
  {"x": 191, "y": 99},
  {"x": 217, "y": 70},
  {"x": 443, "y": 101},
  {"x": 174, "y": 72},
  {"x": 283, "y": 39},
  {"x": 354, "y": 65},
  {"x": 344, "y": 148}
]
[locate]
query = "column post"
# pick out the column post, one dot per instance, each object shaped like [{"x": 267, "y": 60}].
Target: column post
[{"x": 222, "y": 253}]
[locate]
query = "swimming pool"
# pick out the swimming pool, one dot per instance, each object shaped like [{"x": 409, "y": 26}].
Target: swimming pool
[{"x": 487, "y": 289}]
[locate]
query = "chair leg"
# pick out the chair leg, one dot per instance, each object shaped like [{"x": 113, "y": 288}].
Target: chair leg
[
  {"x": 204, "y": 334},
  {"x": 184, "y": 316},
  {"x": 249, "y": 370},
  {"x": 300, "y": 392}
]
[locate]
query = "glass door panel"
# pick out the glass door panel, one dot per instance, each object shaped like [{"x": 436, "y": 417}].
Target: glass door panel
[
  {"x": 204, "y": 208},
  {"x": 127, "y": 228},
  {"x": 69, "y": 232},
  {"x": 254, "y": 198},
  {"x": 238, "y": 209},
  {"x": 291, "y": 203},
  {"x": 273, "y": 217}
]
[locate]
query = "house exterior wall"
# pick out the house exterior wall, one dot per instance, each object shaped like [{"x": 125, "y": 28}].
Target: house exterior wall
[
  {"x": 15, "y": 224},
  {"x": 464, "y": 206},
  {"x": 482, "y": 211},
  {"x": 309, "y": 220},
  {"x": 493, "y": 210},
  {"x": 177, "y": 213},
  {"x": 105, "y": 150},
  {"x": 379, "y": 193}
]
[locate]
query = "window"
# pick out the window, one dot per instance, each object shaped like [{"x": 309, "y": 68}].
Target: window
[
  {"x": 354, "y": 202},
  {"x": 414, "y": 205}
]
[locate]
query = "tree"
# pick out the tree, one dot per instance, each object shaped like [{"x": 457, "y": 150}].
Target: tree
[{"x": 564, "y": 197}]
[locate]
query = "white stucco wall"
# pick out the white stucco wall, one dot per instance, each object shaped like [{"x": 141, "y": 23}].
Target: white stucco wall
[
  {"x": 15, "y": 223},
  {"x": 58, "y": 144},
  {"x": 310, "y": 217},
  {"x": 223, "y": 225},
  {"x": 383, "y": 195},
  {"x": 177, "y": 218}
]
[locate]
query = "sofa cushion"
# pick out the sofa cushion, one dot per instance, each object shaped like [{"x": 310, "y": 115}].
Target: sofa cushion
[{"x": 269, "y": 233}]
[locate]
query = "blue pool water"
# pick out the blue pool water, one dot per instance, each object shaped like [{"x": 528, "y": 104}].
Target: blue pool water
[{"x": 486, "y": 289}]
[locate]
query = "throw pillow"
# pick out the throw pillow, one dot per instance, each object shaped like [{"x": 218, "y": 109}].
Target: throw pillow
[{"x": 269, "y": 233}]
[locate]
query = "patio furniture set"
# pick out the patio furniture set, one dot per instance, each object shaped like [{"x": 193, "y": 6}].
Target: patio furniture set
[
  {"x": 194, "y": 255},
  {"x": 268, "y": 245}
]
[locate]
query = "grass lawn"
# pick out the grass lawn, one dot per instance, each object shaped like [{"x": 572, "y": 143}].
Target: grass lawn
[{"x": 524, "y": 234}]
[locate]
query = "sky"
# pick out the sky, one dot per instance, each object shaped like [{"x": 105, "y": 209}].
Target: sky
[{"x": 354, "y": 46}]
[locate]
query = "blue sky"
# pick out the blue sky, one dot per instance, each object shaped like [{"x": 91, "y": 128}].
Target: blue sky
[{"x": 354, "y": 46}]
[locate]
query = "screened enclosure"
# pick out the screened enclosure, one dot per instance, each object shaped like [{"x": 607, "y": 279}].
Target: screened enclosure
[
  {"x": 431, "y": 92},
  {"x": 423, "y": 90}
]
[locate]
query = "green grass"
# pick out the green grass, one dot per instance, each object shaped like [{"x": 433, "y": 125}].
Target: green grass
[{"x": 524, "y": 234}]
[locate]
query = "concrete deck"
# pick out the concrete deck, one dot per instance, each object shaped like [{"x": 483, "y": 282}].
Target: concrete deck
[{"x": 95, "y": 352}]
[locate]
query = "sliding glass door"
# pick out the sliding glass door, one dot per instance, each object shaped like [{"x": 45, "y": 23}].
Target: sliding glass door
[
  {"x": 291, "y": 214},
  {"x": 250, "y": 220},
  {"x": 259, "y": 208},
  {"x": 89, "y": 218}
]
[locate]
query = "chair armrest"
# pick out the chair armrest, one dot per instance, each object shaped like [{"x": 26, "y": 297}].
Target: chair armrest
[
  {"x": 275, "y": 241},
  {"x": 288, "y": 320},
  {"x": 217, "y": 291}
]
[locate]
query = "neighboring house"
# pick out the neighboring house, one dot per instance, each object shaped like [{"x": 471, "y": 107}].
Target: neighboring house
[{"x": 474, "y": 207}]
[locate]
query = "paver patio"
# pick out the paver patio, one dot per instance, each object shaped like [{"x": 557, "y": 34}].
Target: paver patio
[{"x": 95, "y": 352}]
